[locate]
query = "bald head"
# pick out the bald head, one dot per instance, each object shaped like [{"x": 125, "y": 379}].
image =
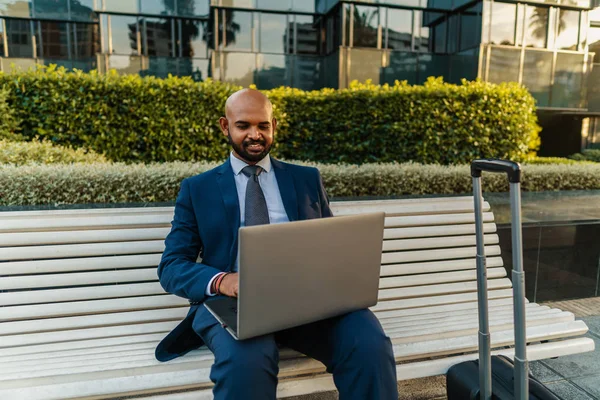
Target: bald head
[
  {"x": 247, "y": 98},
  {"x": 249, "y": 124}
]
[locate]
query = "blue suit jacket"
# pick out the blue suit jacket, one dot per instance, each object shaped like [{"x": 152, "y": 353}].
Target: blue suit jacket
[{"x": 206, "y": 222}]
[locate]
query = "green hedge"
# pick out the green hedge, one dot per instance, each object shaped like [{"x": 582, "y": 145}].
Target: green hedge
[
  {"x": 121, "y": 183},
  {"x": 44, "y": 152},
  {"x": 130, "y": 118},
  {"x": 587, "y": 155},
  {"x": 8, "y": 121}
]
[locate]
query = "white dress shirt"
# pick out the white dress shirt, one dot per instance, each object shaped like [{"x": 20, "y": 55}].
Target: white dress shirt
[{"x": 270, "y": 188}]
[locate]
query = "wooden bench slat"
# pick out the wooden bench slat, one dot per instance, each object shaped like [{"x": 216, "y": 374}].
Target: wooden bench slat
[
  {"x": 440, "y": 277},
  {"x": 436, "y": 254},
  {"x": 78, "y": 279},
  {"x": 445, "y": 288},
  {"x": 434, "y": 231},
  {"x": 99, "y": 222},
  {"x": 435, "y": 243},
  {"x": 394, "y": 209},
  {"x": 436, "y": 266},
  {"x": 83, "y": 293},
  {"x": 81, "y": 250},
  {"x": 87, "y": 212},
  {"x": 79, "y": 264},
  {"x": 435, "y": 220},
  {"x": 90, "y": 307},
  {"x": 82, "y": 236}
]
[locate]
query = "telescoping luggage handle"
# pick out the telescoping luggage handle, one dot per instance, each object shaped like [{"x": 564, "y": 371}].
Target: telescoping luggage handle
[{"x": 513, "y": 170}]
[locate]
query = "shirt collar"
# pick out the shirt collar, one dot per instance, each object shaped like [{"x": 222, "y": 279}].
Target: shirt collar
[{"x": 238, "y": 165}]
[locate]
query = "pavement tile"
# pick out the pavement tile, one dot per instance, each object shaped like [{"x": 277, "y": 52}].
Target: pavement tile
[
  {"x": 593, "y": 323},
  {"x": 543, "y": 373},
  {"x": 577, "y": 365},
  {"x": 590, "y": 383},
  {"x": 568, "y": 391}
]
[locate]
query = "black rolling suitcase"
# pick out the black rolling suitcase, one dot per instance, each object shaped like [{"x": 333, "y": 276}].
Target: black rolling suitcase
[{"x": 497, "y": 377}]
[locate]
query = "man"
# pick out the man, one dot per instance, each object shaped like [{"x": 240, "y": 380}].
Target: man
[{"x": 252, "y": 188}]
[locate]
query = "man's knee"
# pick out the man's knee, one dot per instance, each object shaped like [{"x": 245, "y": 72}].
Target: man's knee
[{"x": 254, "y": 360}]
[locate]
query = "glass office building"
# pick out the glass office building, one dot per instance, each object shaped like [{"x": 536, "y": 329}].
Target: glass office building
[{"x": 547, "y": 45}]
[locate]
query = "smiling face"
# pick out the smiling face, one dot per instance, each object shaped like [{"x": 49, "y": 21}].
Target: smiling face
[{"x": 249, "y": 125}]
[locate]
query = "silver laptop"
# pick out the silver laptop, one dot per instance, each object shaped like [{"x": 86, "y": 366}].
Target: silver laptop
[{"x": 303, "y": 271}]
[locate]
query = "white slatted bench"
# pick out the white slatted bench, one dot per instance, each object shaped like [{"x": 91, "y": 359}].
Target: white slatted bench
[{"x": 81, "y": 309}]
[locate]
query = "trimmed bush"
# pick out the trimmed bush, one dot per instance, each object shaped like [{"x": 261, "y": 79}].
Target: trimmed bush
[
  {"x": 20, "y": 153},
  {"x": 587, "y": 155},
  {"x": 121, "y": 183},
  {"x": 129, "y": 118},
  {"x": 8, "y": 122},
  {"x": 553, "y": 160}
]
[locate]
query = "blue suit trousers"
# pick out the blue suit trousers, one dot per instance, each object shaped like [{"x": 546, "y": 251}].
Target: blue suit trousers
[{"x": 353, "y": 347}]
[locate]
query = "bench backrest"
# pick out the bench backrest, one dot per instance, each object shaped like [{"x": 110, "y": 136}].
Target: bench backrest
[{"x": 99, "y": 265}]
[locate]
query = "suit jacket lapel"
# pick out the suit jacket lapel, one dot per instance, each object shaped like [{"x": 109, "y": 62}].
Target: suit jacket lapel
[
  {"x": 285, "y": 181},
  {"x": 228, "y": 189}
]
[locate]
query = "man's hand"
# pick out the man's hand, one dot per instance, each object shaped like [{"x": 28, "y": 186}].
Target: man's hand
[{"x": 230, "y": 284}]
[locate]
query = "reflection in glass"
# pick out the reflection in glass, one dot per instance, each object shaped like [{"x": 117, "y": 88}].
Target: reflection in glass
[
  {"x": 124, "y": 6},
  {"x": 280, "y": 5},
  {"x": 333, "y": 31},
  {"x": 504, "y": 65},
  {"x": 432, "y": 65},
  {"x": 307, "y": 73},
  {"x": 307, "y": 36},
  {"x": 124, "y": 34},
  {"x": 537, "y": 73},
  {"x": 86, "y": 41},
  {"x": 568, "y": 30},
  {"x": 274, "y": 32},
  {"x": 427, "y": 23},
  {"x": 125, "y": 64},
  {"x": 536, "y": 26},
  {"x": 504, "y": 17},
  {"x": 192, "y": 7},
  {"x": 568, "y": 77},
  {"x": 463, "y": 65},
  {"x": 54, "y": 9},
  {"x": 193, "y": 41},
  {"x": 366, "y": 21},
  {"x": 439, "y": 37},
  {"x": 200, "y": 70},
  {"x": 365, "y": 64},
  {"x": 238, "y": 68},
  {"x": 238, "y": 3},
  {"x": 399, "y": 29},
  {"x": 15, "y": 8},
  {"x": 83, "y": 10},
  {"x": 273, "y": 71},
  {"x": 55, "y": 39},
  {"x": 470, "y": 27},
  {"x": 594, "y": 42},
  {"x": 2, "y": 39},
  {"x": 158, "y": 7},
  {"x": 303, "y": 6},
  {"x": 238, "y": 27},
  {"x": 402, "y": 67},
  {"x": 18, "y": 34},
  {"x": 157, "y": 37},
  {"x": 453, "y": 23}
]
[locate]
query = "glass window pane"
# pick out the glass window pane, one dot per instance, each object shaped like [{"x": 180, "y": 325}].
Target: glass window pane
[
  {"x": 273, "y": 71},
  {"x": 238, "y": 3},
  {"x": 86, "y": 41},
  {"x": 568, "y": 78},
  {"x": 193, "y": 39},
  {"x": 158, "y": 37},
  {"x": 365, "y": 64},
  {"x": 238, "y": 68},
  {"x": 1, "y": 39},
  {"x": 402, "y": 67},
  {"x": 432, "y": 65},
  {"x": 201, "y": 70},
  {"x": 536, "y": 26},
  {"x": 159, "y": 7},
  {"x": 399, "y": 29},
  {"x": 502, "y": 28},
  {"x": 83, "y": 10},
  {"x": 411, "y": 3},
  {"x": 274, "y": 33},
  {"x": 463, "y": 65},
  {"x": 124, "y": 34},
  {"x": 594, "y": 42},
  {"x": 124, "y": 6},
  {"x": 125, "y": 64},
  {"x": 453, "y": 24},
  {"x": 55, "y": 40},
  {"x": 15, "y": 8},
  {"x": 504, "y": 65},
  {"x": 568, "y": 30},
  {"x": 537, "y": 71},
  {"x": 425, "y": 21},
  {"x": 282, "y": 5},
  {"x": 18, "y": 34},
  {"x": 307, "y": 35},
  {"x": 439, "y": 37},
  {"x": 238, "y": 28},
  {"x": 470, "y": 28},
  {"x": 366, "y": 21},
  {"x": 52, "y": 9},
  {"x": 303, "y": 6},
  {"x": 307, "y": 73},
  {"x": 193, "y": 7}
]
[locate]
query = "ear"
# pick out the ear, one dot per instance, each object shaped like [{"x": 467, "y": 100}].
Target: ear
[
  {"x": 274, "y": 124},
  {"x": 224, "y": 124}
]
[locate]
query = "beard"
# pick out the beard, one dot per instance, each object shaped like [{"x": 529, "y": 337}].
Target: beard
[{"x": 242, "y": 150}]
